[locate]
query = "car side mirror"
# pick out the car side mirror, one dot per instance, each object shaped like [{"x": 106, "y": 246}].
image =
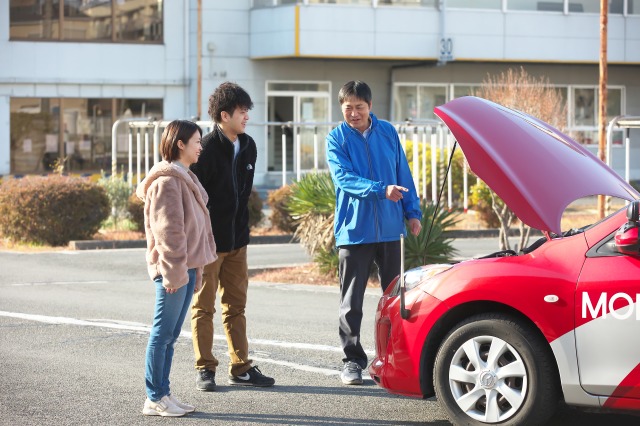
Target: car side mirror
[
  {"x": 626, "y": 238},
  {"x": 633, "y": 211}
]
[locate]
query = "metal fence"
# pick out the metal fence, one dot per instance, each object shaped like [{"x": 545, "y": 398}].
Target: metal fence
[
  {"x": 427, "y": 146},
  {"x": 146, "y": 132},
  {"x": 626, "y": 123}
]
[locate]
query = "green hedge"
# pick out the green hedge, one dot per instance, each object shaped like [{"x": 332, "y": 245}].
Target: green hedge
[
  {"x": 51, "y": 209},
  {"x": 135, "y": 208},
  {"x": 255, "y": 208}
]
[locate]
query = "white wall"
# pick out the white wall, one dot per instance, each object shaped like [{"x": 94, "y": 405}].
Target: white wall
[{"x": 225, "y": 57}]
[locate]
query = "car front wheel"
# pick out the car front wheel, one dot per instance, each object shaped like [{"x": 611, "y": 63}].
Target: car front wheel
[{"x": 491, "y": 369}]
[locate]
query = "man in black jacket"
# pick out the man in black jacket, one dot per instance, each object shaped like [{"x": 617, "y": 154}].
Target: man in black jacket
[{"x": 225, "y": 168}]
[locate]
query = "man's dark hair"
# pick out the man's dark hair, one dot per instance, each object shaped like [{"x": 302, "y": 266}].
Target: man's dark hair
[
  {"x": 177, "y": 130},
  {"x": 227, "y": 97},
  {"x": 355, "y": 89}
]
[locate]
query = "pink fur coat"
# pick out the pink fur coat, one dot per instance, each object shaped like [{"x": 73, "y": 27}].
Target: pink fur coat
[{"x": 177, "y": 224}]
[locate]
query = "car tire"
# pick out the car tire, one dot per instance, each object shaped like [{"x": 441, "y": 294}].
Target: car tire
[{"x": 493, "y": 368}]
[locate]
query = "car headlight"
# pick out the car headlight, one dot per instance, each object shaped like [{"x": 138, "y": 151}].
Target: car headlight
[{"x": 416, "y": 276}]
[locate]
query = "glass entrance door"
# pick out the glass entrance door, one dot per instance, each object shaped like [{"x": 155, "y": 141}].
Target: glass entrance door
[
  {"x": 314, "y": 119},
  {"x": 298, "y": 122}
]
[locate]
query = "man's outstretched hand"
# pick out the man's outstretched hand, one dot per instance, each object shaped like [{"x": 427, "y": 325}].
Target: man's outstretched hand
[{"x": 394, "y": 192}]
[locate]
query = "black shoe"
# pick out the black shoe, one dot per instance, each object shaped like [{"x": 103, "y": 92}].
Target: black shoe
[
  {"x": 252, "y": 377},
  {"x": 206, "y": 380}
]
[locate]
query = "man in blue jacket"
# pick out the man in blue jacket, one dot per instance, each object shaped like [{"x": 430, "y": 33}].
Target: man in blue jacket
[{"x": 375, "y": 193}]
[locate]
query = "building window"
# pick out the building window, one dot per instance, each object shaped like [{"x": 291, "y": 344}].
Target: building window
[
  {"x": 475, "y": 4},
  {"x": 298, "y": 112},
  {"x": 460, "y": 90},
  {"x": 415, "y": 102},
  {"x": 423, "y": 3},
  {"x": 73, "y": 131},
  {"x": 572, "y": 6},
  {"x": 86, "y": 20},
  {"x": 583, "y": 112}
]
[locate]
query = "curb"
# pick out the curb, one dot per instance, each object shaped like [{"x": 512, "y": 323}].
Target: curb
[
  {"x": 122, "y": 244},
  {"x": 485, "y": 233},
  {"x": 278, "y": 239},
  {"x": 109, "y": 244}
]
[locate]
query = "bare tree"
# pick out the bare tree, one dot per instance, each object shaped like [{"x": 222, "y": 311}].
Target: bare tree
[{"x": 516, "y": 89}]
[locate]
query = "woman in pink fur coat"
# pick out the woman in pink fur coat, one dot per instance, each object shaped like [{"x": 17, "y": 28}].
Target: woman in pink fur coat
[{"x": 179, "y": 244}]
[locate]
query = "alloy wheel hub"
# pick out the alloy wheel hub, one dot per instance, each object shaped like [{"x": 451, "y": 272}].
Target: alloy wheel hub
[{"x": 487, "y": 379}]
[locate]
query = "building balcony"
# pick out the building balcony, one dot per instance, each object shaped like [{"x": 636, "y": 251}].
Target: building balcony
[{"x": 550, "y": 31}]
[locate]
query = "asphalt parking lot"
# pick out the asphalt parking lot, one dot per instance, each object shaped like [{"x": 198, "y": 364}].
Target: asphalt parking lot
[{"x": 73, "y": 331}]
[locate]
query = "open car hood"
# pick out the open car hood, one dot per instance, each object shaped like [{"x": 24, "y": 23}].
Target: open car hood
[{"x": 534, "y": 168}]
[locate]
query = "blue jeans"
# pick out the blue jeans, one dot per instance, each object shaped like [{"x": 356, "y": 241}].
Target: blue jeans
[{"x": 170, "y": 311}]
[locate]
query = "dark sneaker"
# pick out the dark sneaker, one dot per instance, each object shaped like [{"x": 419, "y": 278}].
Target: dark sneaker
[
  {"x": 206, "y": 380},
  {"x": 252, "y": 377},
  {"x": 351, "y": 373}
]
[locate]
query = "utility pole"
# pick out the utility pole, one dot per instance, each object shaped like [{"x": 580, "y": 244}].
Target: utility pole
[
  {"x": 602, "y": 96},
  {"x": 199, "y": 56}
]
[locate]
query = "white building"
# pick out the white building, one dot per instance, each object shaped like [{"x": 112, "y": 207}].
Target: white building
[{"x": 71, "y": 69}]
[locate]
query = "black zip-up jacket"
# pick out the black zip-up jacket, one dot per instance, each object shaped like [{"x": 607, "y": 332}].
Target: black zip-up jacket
[{"x": 228, "y": 183}]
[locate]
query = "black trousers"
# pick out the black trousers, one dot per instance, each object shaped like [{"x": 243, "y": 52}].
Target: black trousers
[{"x": 355, "y": 263}]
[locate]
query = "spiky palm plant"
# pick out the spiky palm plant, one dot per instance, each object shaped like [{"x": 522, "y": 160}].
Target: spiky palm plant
[
  {"x": 439, "y": 248},
  {"x": 312, "y": 204}
]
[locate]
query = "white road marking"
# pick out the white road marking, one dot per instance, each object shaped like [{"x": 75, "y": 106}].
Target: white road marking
[
  {"x": 369, "y": 291},
  {"x": 325, "y": 371},
  {"x": 139, "y": 327},
  {"x": 56, "y": 283}
]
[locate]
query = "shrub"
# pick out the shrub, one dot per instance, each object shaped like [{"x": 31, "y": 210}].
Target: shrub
[
  {"x": 456, "y": 172},
  {"x": 255, "y": 208},
  {"x": 312, "y": 205},
  {"x": 118, "y": 191},
  {"x": 135, "y": 209},
  {"x": 280, "y": 216},
  {"x": 480, "y": 201},
  {"x": 327, "y": 261},
  {"x": 521, "y": 91},
  {"x": 438, "y": 249},
  {"x": 51, "y": 210}
]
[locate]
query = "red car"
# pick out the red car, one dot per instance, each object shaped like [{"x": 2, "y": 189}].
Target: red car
[{"x": 504, "y": 339}]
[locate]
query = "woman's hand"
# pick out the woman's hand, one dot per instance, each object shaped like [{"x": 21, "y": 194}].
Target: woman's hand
[{"x": 170, "y": 290}]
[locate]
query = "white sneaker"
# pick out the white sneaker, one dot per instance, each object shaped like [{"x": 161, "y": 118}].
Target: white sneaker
[
  {"x": 351, "y": 373},
  {"x": 186, "y": 407},
  {"x": 164, "y": 408}
]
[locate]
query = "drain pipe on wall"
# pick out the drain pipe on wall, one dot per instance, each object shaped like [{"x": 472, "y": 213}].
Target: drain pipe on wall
[{"x": 445, "y": 52}]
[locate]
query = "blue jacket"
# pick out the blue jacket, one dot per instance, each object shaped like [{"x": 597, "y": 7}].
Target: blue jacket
[{"x": 361, "y": 170}]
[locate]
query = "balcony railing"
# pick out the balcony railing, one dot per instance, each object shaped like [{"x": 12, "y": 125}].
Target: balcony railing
[{"x": 374, "y": 3}]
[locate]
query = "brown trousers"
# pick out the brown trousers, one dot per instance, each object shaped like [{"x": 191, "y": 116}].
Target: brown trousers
[{"x": 228, "y": 276}]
